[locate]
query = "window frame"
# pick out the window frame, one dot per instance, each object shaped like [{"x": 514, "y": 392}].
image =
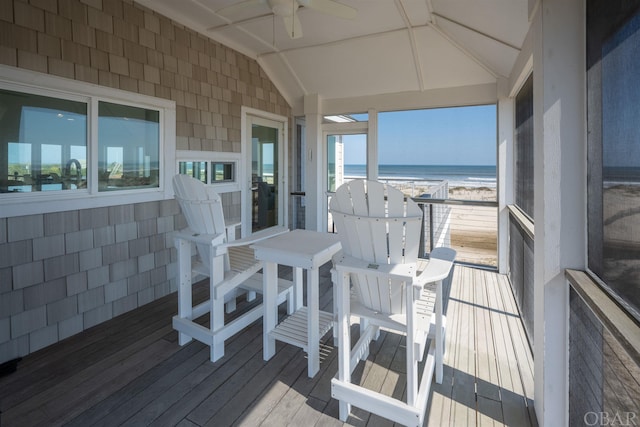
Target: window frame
[
  {"x": 32, "y": 82},
  {"x": 211, "y": 157}
]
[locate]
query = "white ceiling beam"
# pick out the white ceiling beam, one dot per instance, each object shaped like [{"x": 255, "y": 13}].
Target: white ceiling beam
[
  {"x": 476, "y": 31},
  {"x": 412, "y": 39},
  {"x": 342, "y": 41},
  {"x": 431, "y": 18},
  {"x": 237, "y": 27}
]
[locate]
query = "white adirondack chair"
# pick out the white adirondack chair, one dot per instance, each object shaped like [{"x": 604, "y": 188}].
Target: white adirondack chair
[
  {"x": 229, "y": 263},
  {"x": 391, "y": 288}
]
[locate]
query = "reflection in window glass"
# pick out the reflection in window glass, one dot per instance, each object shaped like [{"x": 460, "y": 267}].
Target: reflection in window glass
[
  {"x": 128, "y": 147},
  {"x": 222, "y": 172},
  {"x": 45, "y": 142},
  {"x": 621, "y": 160},
  {"x": 198, "y": 170}
]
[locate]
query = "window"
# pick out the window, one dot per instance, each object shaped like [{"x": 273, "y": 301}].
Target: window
[
  {"x": 521, "y": 238},
  {"x": 63, "y": 140},
  {"x": 128, "y": 147},
  {"x": 220, "y": 169},
  {"x": 524, "y": 148},
  {"x": 222, "y": 172},
  {"x": 198, "y": 170},
  {"x": 44, "y": 143},
  {"x": 613, "y": 142}
]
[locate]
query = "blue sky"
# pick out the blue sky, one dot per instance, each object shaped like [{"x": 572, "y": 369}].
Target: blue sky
[{"x": 442, "y": 136}]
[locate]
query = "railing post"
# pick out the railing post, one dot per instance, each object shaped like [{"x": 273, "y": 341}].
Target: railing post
[
  {"x": 422, "y": 240},
  {"x": 430, "y": 227}
]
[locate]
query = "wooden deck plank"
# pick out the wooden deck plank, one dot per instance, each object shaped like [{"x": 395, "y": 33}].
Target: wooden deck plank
[
  {"x": 463, "y": 411},
  {"x": 131, "y": 371},
  {"x": 519, "y": 340},
  {"x": 165, "y": 388},
  {"x": 487, "y": 383},
  {"x": 514, "y": 406},
  {"x": 197, "y": 391},
  {"x": 271, "y": 398},
  {"x": 101, "y": 377},
  {"x": 45, "y": 372}
]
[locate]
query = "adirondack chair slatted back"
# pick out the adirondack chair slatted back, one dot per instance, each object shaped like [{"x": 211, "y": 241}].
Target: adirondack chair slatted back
[
  {"x": 202, "y": 208},
  {"x": 377, "y": 225}
]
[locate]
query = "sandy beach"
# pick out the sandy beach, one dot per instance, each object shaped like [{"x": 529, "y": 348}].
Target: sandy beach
[{"x": 473, "y": 228}]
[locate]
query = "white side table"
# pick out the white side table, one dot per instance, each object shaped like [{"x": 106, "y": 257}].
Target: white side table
[{"x": 300, "y": 249}]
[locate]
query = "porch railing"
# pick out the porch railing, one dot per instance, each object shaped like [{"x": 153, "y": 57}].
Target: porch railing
[{"x": 468, "y": 226}]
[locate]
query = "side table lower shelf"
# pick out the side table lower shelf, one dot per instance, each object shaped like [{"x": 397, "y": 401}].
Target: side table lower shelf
[{"x": 293, "y": 329}]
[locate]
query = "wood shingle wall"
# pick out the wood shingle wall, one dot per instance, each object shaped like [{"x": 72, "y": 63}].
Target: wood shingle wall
[{"x": 63, "y": 272}]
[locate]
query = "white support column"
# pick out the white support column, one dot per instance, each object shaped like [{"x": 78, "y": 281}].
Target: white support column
[
  {"x": 560, "y": 193},
  {"x": 314, "y": 160},
  {"x": 372, "y": 146}
]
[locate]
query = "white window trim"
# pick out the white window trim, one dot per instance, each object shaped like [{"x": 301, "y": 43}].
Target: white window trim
[
  {"x": 217, "y": 157},
  {"x": 43, "y": 202}
]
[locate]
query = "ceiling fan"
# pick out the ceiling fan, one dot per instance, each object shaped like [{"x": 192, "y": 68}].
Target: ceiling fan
[{"x": 287, "y": 9}]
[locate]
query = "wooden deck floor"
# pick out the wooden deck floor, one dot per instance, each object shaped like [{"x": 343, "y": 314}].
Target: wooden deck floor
[{"x": 131, "y": 371}]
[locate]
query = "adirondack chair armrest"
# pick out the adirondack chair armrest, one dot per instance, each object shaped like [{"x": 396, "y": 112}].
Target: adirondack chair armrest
[
  {"x": 350, "y": 264},
  {"x": 438, "y": 268},
  {"x": 205, "y": 239},
  {"x": 231, "y": 231},
  {"x": 255, "y": 237}
]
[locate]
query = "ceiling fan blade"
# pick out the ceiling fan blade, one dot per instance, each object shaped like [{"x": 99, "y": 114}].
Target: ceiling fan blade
[
  {"x": 330, "y": 7},
  {"x": 292, "y": 25},
  {"x": 237, "y": 7}
]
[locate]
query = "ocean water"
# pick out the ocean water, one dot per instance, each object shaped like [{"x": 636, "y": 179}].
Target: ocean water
[{"x": 458, "y": 176}]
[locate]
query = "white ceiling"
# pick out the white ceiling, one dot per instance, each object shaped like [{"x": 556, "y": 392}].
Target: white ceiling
[{"x": 391, "y": 46}]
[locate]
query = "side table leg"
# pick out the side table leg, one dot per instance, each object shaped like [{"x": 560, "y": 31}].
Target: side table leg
[
  {"x": 269, "y": 304},
  {"x": 297, "y": 288},
  {"x": 313, "y": 321}
]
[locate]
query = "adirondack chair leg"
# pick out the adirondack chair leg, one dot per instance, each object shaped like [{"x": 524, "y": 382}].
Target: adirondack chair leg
[
  {"x": 230, "y": 306},
  {"x": 184, "y": 286},
  {"x": 251, "y": 295},
  {"x": 344, "y": 336},
  {"x": 217, "y": 313},
  {"x": 217, "y": 322}
]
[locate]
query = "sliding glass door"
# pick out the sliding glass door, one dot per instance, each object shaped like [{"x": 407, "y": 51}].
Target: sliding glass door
[{"x": 266, "y": 172}]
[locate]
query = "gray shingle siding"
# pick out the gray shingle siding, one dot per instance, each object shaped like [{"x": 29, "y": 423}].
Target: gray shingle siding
[{"x": 63, "y": 272}]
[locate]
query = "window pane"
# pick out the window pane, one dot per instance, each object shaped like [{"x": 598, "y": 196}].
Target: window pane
[
  {"x": 128, "y": 147},
  {"x": 613, "y": 58},
  {"x": 43, "y": 143},
  {"x": 222, "y": 172},
  {"x": 197, "y": 170}
]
